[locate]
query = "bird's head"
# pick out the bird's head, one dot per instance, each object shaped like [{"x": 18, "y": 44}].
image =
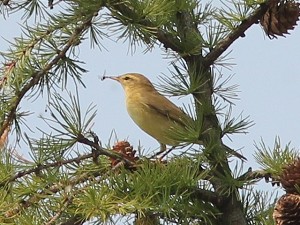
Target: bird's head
[{"x": 131, "y": 81}]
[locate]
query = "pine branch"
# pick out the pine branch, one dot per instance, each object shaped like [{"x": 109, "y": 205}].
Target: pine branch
[
  {"x": 254, "y": 176},
  {"x": 222, "y": 46},
  {"x": 55, "y": 188},
  {"x": 273, "y": 160},
  {"x": 39, "y": 168},
  {"x": 214, "y": 148},
  {"x": 39, "y": 75},
  {"x": 98, "y": 150},
  {"x": 205, "y": 195},
  {"x": 102, "y": 151},
  {"x": 228, "y": 205},
  {"x": 82, "y": 182},
  {"x": 167, "y": 39},
  {"x": 67, "y": 201},
  {"x": 50, "y": 190}
]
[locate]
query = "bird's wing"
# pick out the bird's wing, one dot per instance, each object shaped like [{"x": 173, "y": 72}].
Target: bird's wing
[{"x": 166, "y": 108}]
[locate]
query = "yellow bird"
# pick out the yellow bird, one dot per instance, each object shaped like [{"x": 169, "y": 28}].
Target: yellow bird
[{"x": 153, "y": 112}]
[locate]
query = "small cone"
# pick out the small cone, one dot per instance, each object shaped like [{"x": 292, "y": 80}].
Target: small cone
[
  {"x": 287, "y": 210},
  {"x": 281, "y": 17},
  {"x": 123, "y": 148},
  {"x": 290, "y": 177}
]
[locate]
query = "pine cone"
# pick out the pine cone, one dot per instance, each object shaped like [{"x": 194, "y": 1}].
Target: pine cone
[
  {"x": 281, "y": 17},
  {"x": 290, "y": 177},
  {"x": 287, "y": 210},
  {"x": 123, "y": 148}
]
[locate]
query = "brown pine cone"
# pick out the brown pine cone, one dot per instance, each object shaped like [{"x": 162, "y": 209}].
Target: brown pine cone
[
  {"x": 123, "y": 148},
  {"x": 287, "y": 210},
  {"x": 281, "y": 17},
  {"x": 290, "y": 177}
]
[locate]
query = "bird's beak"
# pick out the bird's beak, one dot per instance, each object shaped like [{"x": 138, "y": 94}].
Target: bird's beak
[{"x": 111, "y": 77}]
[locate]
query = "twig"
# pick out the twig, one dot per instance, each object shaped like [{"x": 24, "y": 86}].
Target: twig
[
  {"x": 50, "y": 190},
  {"x": 39, "y": 168},
  {"x": 102, "y": 151},
  {"x": 258, "y": 175},
  {"x": 99, "y": 151},
  {"x": 37, "y": 76},
  {"x": 67, "y": 202},
  {"x": 206, "y": 195},
  {"x": 167, "y": 39},
  {"x": 238, "y": 32}
]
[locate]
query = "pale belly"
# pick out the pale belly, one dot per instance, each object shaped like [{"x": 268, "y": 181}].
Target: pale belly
[{"x": 156, "y": 125}]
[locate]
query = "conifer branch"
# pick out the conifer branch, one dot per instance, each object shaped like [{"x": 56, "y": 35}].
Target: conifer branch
[
  {"x": 50, "y": 190},
  {"x": 39, "y": 168},
  {"x": 67, "y": 201},
  {"x": 98, "y": 150},
  {"x": 206, "y": 195},
  {"x": 253, "y": 176},
  {"x": 37, "y": 76},
  {"x": 165, "y": 38},
  {"x": 223, "y": 45},
  {"x": 170, "y": 192}
]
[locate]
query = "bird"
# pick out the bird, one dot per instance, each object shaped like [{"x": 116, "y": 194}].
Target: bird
[{"x": 153, "y": 112}]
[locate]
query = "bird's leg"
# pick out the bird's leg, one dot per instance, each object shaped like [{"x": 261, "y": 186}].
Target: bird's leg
[{"x": 163, "y": 148}]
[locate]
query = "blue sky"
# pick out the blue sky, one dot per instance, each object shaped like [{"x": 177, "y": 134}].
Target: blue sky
[{"x": 267, "y": 72}]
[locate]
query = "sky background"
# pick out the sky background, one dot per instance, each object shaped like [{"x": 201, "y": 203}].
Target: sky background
[{"x": 267, "y": 72}]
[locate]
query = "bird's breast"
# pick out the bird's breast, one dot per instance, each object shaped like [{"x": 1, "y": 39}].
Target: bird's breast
[{"x": 148, "y": 120}]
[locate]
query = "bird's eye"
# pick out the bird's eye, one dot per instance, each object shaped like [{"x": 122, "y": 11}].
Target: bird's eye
[{"x": 126, "y": 78}]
